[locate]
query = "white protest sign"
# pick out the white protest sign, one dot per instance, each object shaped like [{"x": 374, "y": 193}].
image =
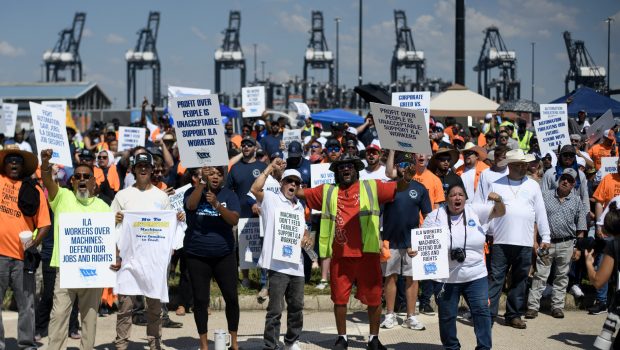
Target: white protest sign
[
  {"x": 176, "y": 200},
  {"x": 431, "y": 262},
  {"x": 401, "y": 129},
  {"x": 302, "y": 109},
  {"x": 253, "y": 101},
  {"x": 9, "y": 118},
  {"x": 178, "y": 91},
  {"x": 130, "y": 137},
  {"x": 249, "y": 232},
  {"x": 319, "y": 175},
  {"x": 609, "y": 165},
  {"x": 289, "y": 136},
  {"x": 596, "y": 130},
  {"x": 287, "y": 237},
  {"x": 87, "y": 246},
  {"x": 50, "y": 131},
  {"x": 552, "y": 133},
  {"x": 199, "y": 130},
  {"x": 552, "y": 110},
  {"x": 418, "y": 100},
  {"x": 62, "y": 105}
]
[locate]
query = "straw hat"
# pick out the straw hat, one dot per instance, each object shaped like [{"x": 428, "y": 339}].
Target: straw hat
[
  {"x": 469, "y": 146},
  {"x": 31, "y": 162},
  {"x": 517, "y": 156},
  {"x": 454, "y": 155}
]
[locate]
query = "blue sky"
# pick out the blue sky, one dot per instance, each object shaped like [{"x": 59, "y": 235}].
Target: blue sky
[{"x": 190, "y": 31}]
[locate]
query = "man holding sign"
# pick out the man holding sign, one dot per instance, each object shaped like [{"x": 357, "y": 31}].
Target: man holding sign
[
  {"x": 350, "y": 221},
  {"x": 283, "y": 217},
  {"x": 82, "y": 200}
]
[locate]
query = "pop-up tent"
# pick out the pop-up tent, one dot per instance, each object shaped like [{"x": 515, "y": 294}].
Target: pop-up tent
[
  {"x": 338, "y": 115},
  {"x": 589, "y": 100},
  {"x": 458, "y": 101}
]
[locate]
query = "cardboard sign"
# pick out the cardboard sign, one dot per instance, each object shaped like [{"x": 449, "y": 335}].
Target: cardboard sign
[
  {"x": 553, "y": 110},
  {"x": 609, "y": 165},
  {"x": 130, "y": 137},
  {"x": 50, "y": 131},
  {"x": 253, "y": 101},
  {"x": 249, "y": 233},
  {"x": 87, "y": 244},
  {"x": 401, "y": 129},
  {"x": 431, "y": 262},
  {"x": 199, "y": 130},
  {"x": 302, "y": 109},
  {"x": 552, "y": 133},
  {"x": 596, "y": 130},
  {"x": 418, "y": 100},
  {"x": 9, "y": 119},
  {"x": 289, "y": 230},
  {"x": 62, "y": 105},
  {"x": 176, "y": 200}
]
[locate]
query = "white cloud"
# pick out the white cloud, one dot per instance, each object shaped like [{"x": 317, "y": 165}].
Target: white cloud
[
  {"x": 294, "y": 22},
  {"x": 87, "y": 33},
  {"x": 6, "y": 49},
  {"x": 115, "y": 39},
  {"x": 198, "y": 33}
]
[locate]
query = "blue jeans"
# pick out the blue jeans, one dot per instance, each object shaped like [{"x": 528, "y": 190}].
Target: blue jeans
[
  {"x": 476, "y": 294},
  {"x": 601, "y": 293},
  {"x": 504, "y": 257},
  {"x": 426, "y": 291}
]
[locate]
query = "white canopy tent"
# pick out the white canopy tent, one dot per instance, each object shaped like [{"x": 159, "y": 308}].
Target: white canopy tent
[{"x": 458, "y": 101}]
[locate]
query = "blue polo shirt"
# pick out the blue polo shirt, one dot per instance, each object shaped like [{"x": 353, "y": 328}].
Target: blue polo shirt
[
  {"x": 240, "y": 180},
  {"x": 403, "y": 214}
]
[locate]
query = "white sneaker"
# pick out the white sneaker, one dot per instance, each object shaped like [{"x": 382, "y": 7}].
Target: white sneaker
[
  {"x": 262, "y": 295},
  {"x": 294, "y": 346},
  {"x": 322, "y": 285},
  {"x": 413, "y": 323},
  {"x": 576, "y": 291},
  {"x": 389, "y": 321}
]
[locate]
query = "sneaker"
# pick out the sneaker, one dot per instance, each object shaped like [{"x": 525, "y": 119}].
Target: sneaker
[
  {"x": 597, "y": 309},
  {"x": 245, "y": 283},
  {"x": 168, "y": 323},
  {"x": 75, "y": 335},
  {"x": 576, "y": 291},
  {"x": 341, "y": 344},
  {"x": 413, "y": 323},
  {"x": 531, "y": 314},
  {"x": 389, "y": 321},
  {"x": 294, "y": 346},
  {"x": 427, "y": 310},
  {"x": 557, "y": 313},
  {"x": 375, "y": 344},
  {"x": 322, "y": 285},
  {"x": 180, "y": 311},
  {"x": 262, "y": 295}
]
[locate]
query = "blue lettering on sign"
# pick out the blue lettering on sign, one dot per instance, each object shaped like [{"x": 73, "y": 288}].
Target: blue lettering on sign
[
  {"x": 404, "y": 144},
  {"x": 287, "y": 250},
  {"x": 430, "y": 268}
]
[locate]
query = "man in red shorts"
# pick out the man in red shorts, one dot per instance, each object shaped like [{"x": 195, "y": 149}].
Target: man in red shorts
[{"x": 350, "y": 219}]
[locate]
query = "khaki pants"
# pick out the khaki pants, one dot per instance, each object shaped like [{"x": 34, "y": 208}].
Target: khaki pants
[
  {"x": 88, "y": 304},
  {"x": 123, "y": 322},
  {"x": 560, "y": 253}
]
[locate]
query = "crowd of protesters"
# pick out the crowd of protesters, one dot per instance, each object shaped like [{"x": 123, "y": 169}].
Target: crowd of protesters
[{"x": 518, "y": 222}]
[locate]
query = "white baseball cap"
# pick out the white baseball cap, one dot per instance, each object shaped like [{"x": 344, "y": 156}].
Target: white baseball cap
[{"x": 291, "y": 172}]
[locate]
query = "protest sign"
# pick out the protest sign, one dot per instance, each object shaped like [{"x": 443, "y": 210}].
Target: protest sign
[
  {"x": 302, "y": 109},
  {"x": 608, "y": 166},
  {"x": 319, "y": 175},
  {"x": 176, "y": 200},
  {"x": 62, "y": 105},
  {"x": 552, "y": 133},
  {"x": 249, "y": 232},
  {"x": 289, "y": 136},
  {"x": 178, "y": 91},
  {"x": 50, "y": 131},
  {"x": 418, "y": 100},
  {"x": 130, "y": 137},
  {"x": 431, "y": 262},
  {"x": 87, "y": 247},
  {"x": 287, "y": 237},
  {"x": 253, "y": 101},
  {"x": 9, "y": 119},
  {"x": 552, "y": 110},
  {"x": 200, "y": 134},
  {"x": 596, "y": 130},
  {"x": 401, "y": 129}
]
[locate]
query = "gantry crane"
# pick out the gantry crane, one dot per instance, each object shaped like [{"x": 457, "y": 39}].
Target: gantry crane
[
  {"x": 405, "y": 54},
  {"x": 317, "y": 55},
  {"x": 583, "y": 71},
  {"x": 495, "y": 54},
  {"x": 229, "y": 55},
  {"x": 65, "y": 53},
  {"x": 144, "y": 56}
]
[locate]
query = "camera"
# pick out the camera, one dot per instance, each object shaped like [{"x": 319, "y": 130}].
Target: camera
[
  {"x": 543, "y": 254},
  {"x": 604, "y": 340},
  {"x": 590, "y": 243},
  {"x": 457, "y": 254}
]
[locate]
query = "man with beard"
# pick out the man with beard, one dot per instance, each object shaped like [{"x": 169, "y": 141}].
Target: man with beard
[
  {"x": 350, "y": 223},
  {"x": 17, "y": 166},
  {"x": 271, "y": 143},
  {"x": 441, "y": 164},
  {"x": 81, "y": 200},
  {"x": 375, "y": 169}
]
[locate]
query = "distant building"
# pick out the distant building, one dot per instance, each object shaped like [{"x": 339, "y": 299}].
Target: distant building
[{"x": 81, "y": 96}]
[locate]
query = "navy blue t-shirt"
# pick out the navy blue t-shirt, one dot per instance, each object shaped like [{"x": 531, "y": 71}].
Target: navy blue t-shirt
[
  {"x": 207, "y": 233},
  {"x": 304, "y": 169},
  {"x": 240, "y": 180},
  {"x": 403, "y": 214},
  {"x": 271, "y": 144}
]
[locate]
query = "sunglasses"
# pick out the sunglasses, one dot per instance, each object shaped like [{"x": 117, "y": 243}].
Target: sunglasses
[
  {"x": 444, "y": 159},
  {"x": 333, "y": 149},
  {"x": 292, "y": 181},
  {"x": 247, "y": 145},
  {"x": 82, "y": 176},
  {"x": 345, "y": 166},
  {"x": 315, "y": 146},
  {"x": 102, "y": 157},
  {"x": 14, "y": 159},
  {"x": 404, "y": 164},
  {"x": 503, "y": 137}
]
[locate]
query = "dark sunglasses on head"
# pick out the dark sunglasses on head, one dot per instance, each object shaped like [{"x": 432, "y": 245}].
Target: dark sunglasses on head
[
  {"x": 333, "y": 149},
  {"x": 82, "y": 176},
  {"x": 292, "y": 181},
  {"x": 14, "y": 159}
]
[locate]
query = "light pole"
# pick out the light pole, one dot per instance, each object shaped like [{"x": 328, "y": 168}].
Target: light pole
[
  {"x": 337, "y": 19},
  {"x": 263, "y": 70},
  {"x": 608, "y": 20},
  {"x": 359, "y": 56},
  {"x": 533, "y": 70},
  {"x": 255, "y": 78}
]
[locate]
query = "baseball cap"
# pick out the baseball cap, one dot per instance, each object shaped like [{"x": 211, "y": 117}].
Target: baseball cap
[
  {"x": 291, "y": 172},
  {"x": 249, "y": 139},
  {"x": 375, "y": 144},
  {"x": 575, "y": 137},
  {"x": 143, "y": 158},
  {"x": 352, "y": 130},
  {"x": 337, "y": 126},
  {"x": 294, "y": 150},
  {"x": 86, "y": 154},
  {"x": 581, "y": 161},
  {"x": 568, "y": 149},
  {"x": 318, "y": 125},
  {"x": 570, "y": 172},
  {"x": 609, "y": 133},
  {"x": 332, "y": 143}
]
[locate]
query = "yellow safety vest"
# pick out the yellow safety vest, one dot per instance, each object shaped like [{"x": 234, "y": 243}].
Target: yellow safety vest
[
  {"x": 369, "y": 218},
  {"x": 524, "y": 143}
]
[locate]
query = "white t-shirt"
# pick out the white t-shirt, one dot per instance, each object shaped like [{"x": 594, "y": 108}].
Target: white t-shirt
[
  {"x": 132, "y": 198},
  {"x": 469, "y": 177},
  {"x": 476, "y": 216},
  {"x": 487, "y": 177},
  {"x": 24, "y": 146},
  {"x": 524, "y": 207},
  {"x": 270, "y": 204},
  {"x": 601, "y": 219},
  {"x": 378, "y": 174}
]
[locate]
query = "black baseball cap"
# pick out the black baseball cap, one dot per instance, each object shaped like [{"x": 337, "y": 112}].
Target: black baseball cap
[
  {"x": 294, "y": 150},
  {"x": 86, "y": 154},
  {"x": 143, "y": 158},
  {"x": 249, "y": 139}
]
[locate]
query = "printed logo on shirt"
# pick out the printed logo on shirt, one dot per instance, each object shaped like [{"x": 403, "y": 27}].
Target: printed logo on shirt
[
  {"x": 471, "y": 222},
  {"x": 413, "y": 194},
  {"x": 255, "y": 173}
]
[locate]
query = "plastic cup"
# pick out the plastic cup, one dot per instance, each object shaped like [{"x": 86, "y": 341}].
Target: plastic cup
[{"x": 25, "y": 237}]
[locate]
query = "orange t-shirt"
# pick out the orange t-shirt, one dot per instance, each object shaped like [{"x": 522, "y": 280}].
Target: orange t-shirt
[
  {"x": 348, "y": 235},
  {"x": 433, "y": 185},
  {"x": 113, "y": 179},
  {"x": 450, "y": 132},
  {"x": 14, "y": 222},
  {"x": 162, "y": 185},
  {"x": 482, "y": 140},
  {"x": 607, "y": 189},
  {"x": 599, "y": 151},
  {"x": 236, "y": 140},
  {"x": 480, "y": 166}
]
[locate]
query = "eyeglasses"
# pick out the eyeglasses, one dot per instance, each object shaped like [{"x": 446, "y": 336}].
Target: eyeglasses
[
  {"x": 292, "y": 181},
  {"x": 102, "y": 157},
  {"x": 158, "y": 171},
  {"x": 14, "y": 159},
  {"x": 568, "y": 155},
  {"x": 443, "y": 159},
  {"x": 567, "y": 178},
  {"x": 404, "y": 164},
  {"x": 82, "y": 176},
  {"x": 345, "y": 166},
  {"x": 468, "y": 154},
  {"x": 503, "y": 137},
  {"x": 333, "y": 149},
  {"x": 315, "y": 146}
]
